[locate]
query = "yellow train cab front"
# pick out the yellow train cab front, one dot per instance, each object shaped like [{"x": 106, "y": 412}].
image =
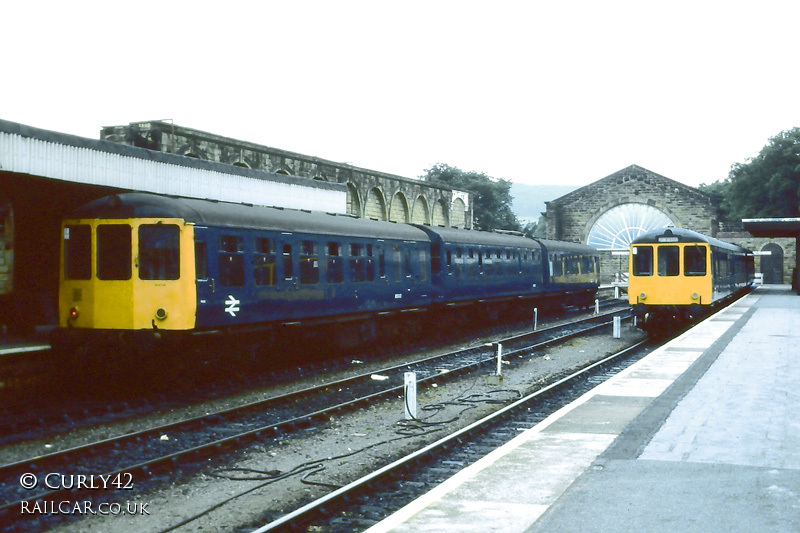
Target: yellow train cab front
[
  {"x": 670, "y": 274},
  {"x": 127, "y": 274}
]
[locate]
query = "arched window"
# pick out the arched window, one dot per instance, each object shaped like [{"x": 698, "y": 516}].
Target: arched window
[{"x": 619, "y": 226}]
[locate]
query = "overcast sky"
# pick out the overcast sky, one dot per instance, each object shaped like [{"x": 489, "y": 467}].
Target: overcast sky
[{"x": 533, "y": 92}]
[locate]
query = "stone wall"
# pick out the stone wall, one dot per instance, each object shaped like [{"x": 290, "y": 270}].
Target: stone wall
[{"x": 371, "y": 194}]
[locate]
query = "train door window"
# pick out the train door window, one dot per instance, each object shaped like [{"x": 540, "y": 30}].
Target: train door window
[
  {"x": 423, "y": 262},
  {"x": 396, "y": 261},
  {"x": 381, "y": 263},
  {"x": 309, "y": 263},
  {"x": 231, "y": 261},
  {"x": 288, "y": 273},
  {"x": 200, "y": 260},
  {"x": 694, "y": 260},
  {"x": 264, "y": 261},
  {"x": 159, "y": 251},
  {"x": 642, "y": 260},
  {"x": 668, "y": 260},
  {"x": 436, "y": 258},
  {"x": 78, "y": 252},
  {"x": 370, "y": 264},
  {"x": 358, "y": 270},
  {"x": 449, "y": 262},
  {"x": 407, "y": 269},
  {"x": 486, "y": 262},
  {"x": 335, "y": 270},
  {"x": 113, "y": 251}
]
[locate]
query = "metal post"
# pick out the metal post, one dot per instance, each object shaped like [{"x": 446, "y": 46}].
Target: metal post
[
  {"x": 597, "y": 307},
  {"x": 499, "y": 359},
  {"x": 616, "y": 292},
  {"x": 634, "y": 320},
  {"x": 410, "y": 395},
  {"x": 617, "y": 328},
  {"x": 535, "y": 317}
]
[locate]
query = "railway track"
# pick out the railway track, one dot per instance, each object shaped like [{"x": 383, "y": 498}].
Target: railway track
[
  {"x": 364, "y": 502},
  {"x": 154, "y": 450}
]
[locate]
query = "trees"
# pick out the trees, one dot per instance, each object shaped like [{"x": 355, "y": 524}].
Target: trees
[
  {"x": 491, "y": 198},
  {"x": 768, "y": 185}
]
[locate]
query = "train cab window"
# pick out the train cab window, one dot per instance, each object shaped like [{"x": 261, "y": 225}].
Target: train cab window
[
  {"x": 287, "y": 262},
  {"x": 264, "y": 261},
  {"x": 113, "y": 251},
  {"x": 309, "y": 263},
  {"x": 159, "y": 251},
  {"x": 358, "y": 264},
  {"x": 78, "y": 252},
  {"x": 694, "y": 261},
  {"x": 642, "y": 260},
  {"x": 668, "y": 261},
  {"x": 200, "y": 260},
  {"x": 335, "y": 269}
]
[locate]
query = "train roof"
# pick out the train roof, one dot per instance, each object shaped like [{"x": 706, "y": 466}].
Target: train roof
[
  {"x": 212, "y": 213},
  {"x": 670, "y": 235},
  {"x": 488, "y": 238},
  {"x": 567, "y": 247}
]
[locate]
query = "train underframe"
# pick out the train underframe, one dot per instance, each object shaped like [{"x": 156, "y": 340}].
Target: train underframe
[{"x": 109, "y": 352}]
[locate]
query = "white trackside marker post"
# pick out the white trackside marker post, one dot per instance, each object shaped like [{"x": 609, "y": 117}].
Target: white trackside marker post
[
  {"x": 535, "y": 317},
  {"x": 597, "y": 307},
  {"x": 410, "y": 395},
  {"x": 617, "y": 328},
  {"x": 499, "y": 359}
]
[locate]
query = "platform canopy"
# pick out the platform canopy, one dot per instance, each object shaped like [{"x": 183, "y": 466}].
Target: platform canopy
[{"x": 772, "y": 227}]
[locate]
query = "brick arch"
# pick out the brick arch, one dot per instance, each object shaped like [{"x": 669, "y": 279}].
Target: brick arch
[
  {"x": 440, "y": 214},
  {"x": 398, "y": 212},
  {"x": 420, "y": 214},
  {"x": 353, "y": 200},
  {"x": 616, "y": 202},
  {"x": 376, "y": 205}
]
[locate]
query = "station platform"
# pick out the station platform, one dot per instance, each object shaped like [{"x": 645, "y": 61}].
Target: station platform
[{"x": 701, "y": 435}]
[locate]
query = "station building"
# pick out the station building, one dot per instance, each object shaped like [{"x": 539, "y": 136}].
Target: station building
[{"x": 611, "y": 212}]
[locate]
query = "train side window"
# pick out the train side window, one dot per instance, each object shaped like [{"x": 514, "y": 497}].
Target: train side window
[
  {"x": 358, "y": 270},
  {"x": 449, "y": 262},
  {"x": 200, "y": 260},
  {"x": 231, "y": 261},
  {"x": 287, "y": 262},
  {"x": 668, "y": 261},
  {"x": 642, "y": 260},
  {"x": 309, "y": 263},
  {"x": 264, "y": 261},
  {"x": 78, "y": 252},
  {"x": 694, "y": 261},
  {"x": 556, "y": 267},
  {"x": 113, "y": 251},
  {"x": 159, "y": 251},
  {"x": 407, "y": 271},
  {"x": 335, "y": 271}
]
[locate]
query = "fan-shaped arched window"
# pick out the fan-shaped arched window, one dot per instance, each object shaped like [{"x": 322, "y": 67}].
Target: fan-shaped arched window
[{"x": 619, "y": 226}]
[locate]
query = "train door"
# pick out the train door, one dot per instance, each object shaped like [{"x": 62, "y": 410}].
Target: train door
[{"x": 206, "y": 276}]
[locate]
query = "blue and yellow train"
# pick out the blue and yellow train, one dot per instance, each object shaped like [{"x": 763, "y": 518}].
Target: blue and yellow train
[
  {"x": 677, "y": 274},
  {"x": 140, "y": 265}
]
